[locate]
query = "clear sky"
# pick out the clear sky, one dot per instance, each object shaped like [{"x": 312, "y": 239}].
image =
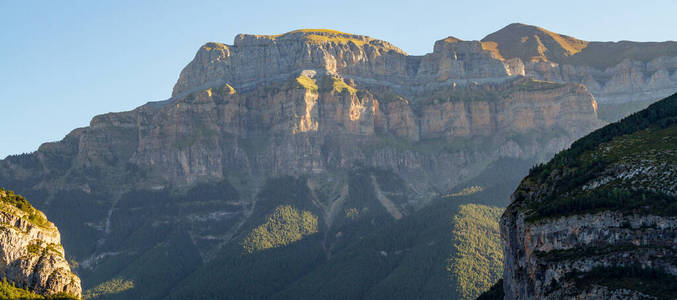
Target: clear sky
[{"x": 63, "y": 62}]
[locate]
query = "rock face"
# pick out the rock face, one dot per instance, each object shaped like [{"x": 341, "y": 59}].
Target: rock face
[
  {"x": 31, "y": 251},
  {"x": 315, "y": 103},
  {"x": 365, "y": 60},
  {"x": 613, "y": 72},
  {"x": 331, "y": 100},
  {"x": 297, "y": 122},
  {"x": 600, "y": 220}
]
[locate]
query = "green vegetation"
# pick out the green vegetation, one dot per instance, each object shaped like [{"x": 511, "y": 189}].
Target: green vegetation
[
  {"x": 385, "y": 96},
  {"x": 307, "y": 83},
  {"x": 529, "y": 85},
  {"x": 37, "y": 249},
  {"x": 214, "y": 46},
  {"x": 600, "y": 199},
  {"x": 9, "y": 291},
  {"x": 155, "y": 251},
  {"x": 646, "y": 138},
  {"x": 662, "y": 113},
  {"x": 352, "y": 213},
  {"x": 110, "y": 287},
  {"x": 308, "y": 30},
  {"x": 238, "y": 274},
  {"x": 466, "y": 191},
  {"x": 406, "y": 259},
  {"x": 222, "y": 91},
  {"x": 653, "y": 282},
  {"x": 16, "y": 200},
  {"x": 284, "y": 226},
  {"x": 336, "y": 39},
  {"x": 478, "y": 259},
  {"x": 35, "y": 216},
  {"x": 34, "y": 249},
  {"x": 319, "y": 36},
  {"x": 335, "y": 84}
]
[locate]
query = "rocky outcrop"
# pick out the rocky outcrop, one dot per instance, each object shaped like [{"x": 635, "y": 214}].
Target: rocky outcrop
[
  {"x": 302, "y": 130},
  {"x": 600, "y": 220},
  {"x": 542, "y": 255},
  {"x": 363, "y": 59},
  {"x": 630, "y": 80},
  {"x": 615, "y": 72},
  {"x": 30, "y": 250}
]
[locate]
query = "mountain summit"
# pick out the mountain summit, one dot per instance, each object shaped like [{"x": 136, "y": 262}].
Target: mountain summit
[
  {"x": 282, "y": 159},
  {"x": 533, "y": 43}
]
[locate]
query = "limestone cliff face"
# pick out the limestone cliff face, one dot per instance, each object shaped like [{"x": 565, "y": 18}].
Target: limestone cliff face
[
  {"x": 286, "y": 128},
  {"x": 600, "y": 220},
  {"x": 31, "y": 253},
  {"x": 315, "y": 103},
  {"x": 309, "y": 103},
  {"x": 628, "y": 240},
  {"x": 258, "y": 58},
  {"x": 615, "y": 72},
  {"x": 629, "y": 80}
]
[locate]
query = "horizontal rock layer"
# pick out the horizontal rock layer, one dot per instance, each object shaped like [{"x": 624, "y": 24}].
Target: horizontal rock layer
[
  {"x": 613, "y": 72},
  {"x": 284, "y": 128}
]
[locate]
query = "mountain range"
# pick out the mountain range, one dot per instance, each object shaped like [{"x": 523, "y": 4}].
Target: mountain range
[{"x": 322, "y": 164}]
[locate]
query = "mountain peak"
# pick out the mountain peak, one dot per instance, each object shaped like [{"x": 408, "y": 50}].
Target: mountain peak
[
  {"x": 315, "y": 36},
  {"x": 533, "y": 43}
]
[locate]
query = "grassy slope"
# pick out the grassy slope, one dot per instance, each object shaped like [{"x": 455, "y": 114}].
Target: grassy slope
[
  {"x": 373, "y": 256},
  {"x": 9, "y": 291}
]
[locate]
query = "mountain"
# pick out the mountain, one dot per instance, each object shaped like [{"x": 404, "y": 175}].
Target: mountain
[
  {"x": 532, "y": 43},
  {"x": 282, "y": 161},
  {"x": 32, "y": 256},
  {"x": 623, "y": 76},
  {"x": 600, "y": 219}
]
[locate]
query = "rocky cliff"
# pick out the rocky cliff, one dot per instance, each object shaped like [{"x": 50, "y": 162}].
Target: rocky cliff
[
  {"x": 331, "y": 100},
  {"x": 600, "y": 219},
  {"x": 344, "y": 115},
  {"x": 294, "y": 122},
  {"x": 31, "y": 251},
  {"x": 615, "y": 72},
  {"x": 253, "y": 59}
]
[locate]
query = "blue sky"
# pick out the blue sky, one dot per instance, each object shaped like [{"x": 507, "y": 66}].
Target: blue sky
[{"x": 63, "y": 62}]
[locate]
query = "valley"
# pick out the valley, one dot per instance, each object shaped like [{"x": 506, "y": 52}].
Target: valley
[{"x": 322, "y": 164}]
